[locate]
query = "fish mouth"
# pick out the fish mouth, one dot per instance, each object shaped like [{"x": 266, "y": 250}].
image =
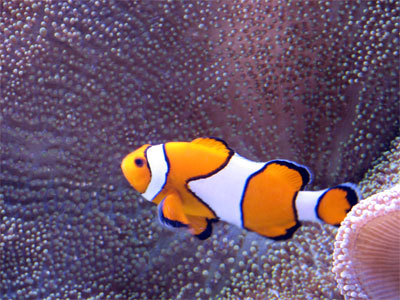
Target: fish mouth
[{"x": 125, "y": 169}]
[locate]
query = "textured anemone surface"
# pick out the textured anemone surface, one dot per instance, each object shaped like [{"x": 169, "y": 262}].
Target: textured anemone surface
[
  {"x": 85, "y": 82},
  {"x": 367, "y": 248},
  {"x": 384, "y": 172}
]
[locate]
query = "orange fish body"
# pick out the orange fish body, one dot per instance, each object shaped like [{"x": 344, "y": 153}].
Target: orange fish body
[{"x": 197, "y": 183}]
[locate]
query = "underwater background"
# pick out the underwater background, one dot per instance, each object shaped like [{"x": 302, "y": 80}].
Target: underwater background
[{"x": 83, "y": 83}]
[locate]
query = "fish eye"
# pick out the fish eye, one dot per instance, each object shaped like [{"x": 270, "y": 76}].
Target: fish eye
[{"x": 139, "y": 162}]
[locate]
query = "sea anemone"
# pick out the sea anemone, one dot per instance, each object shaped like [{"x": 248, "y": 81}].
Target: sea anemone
[
  {"x": 384, "y": 172},
  {"x": 367, "y": 248}
]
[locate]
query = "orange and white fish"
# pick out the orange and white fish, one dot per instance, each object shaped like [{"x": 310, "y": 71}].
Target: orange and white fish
[{"x": 197, "y": 183}]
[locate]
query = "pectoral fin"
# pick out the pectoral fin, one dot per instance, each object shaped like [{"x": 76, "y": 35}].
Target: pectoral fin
[{"x": 170, "y": 212}]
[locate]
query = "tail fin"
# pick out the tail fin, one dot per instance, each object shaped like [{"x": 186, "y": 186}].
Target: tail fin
[{"x": 334, "y": 204}]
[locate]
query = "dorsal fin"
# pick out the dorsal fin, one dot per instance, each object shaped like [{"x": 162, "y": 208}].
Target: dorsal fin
[
  {"x": 215, "y": 143},
  {"x": 288, "y": 175}
]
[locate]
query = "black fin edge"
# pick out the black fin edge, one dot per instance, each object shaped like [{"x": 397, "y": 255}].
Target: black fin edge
[
  {"x": 303, "y": 170},
  {"x": 208, "y": 231},
  {"x": 352, "y": 197},
  {"x": 166, "y": 221},
  {"x": 352, "y": 194},
  {"x": 288, "y": 235},
  {"x": 217, "y": 139}
]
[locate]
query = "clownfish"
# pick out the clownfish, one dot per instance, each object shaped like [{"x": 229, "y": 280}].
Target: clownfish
[{"x": 200, "y": 182}]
